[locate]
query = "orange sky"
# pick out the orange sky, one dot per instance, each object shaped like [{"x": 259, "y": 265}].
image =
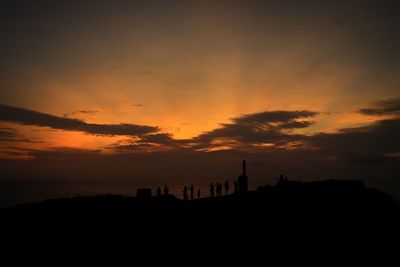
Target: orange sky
[
  {"x": 186, "y": 68},
  {"x": 154, "y": 92}
]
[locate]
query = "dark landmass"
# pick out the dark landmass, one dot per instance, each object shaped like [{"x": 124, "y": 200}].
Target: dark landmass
[{"x": 285, "y": 215}]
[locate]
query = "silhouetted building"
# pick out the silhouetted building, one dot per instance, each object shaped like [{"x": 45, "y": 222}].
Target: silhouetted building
[
  {"x": 143, "y": 193},
  {"x": 242, "y": 180}
]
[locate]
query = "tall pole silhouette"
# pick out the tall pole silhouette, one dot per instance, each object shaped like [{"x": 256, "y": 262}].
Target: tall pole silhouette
[{"x": 242, "y": 179}]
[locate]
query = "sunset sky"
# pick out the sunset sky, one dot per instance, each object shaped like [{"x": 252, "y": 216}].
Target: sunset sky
[{"x": 165, "y": 91}]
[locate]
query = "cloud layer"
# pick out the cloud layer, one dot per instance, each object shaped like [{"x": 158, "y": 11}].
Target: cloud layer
[
  {"x": 12, "y": 135},
  {"x": 383, "y": 107},
  {"x": 269, "y": 127},
  {"x": 260, "y": 132},
  {"x": 30, "y": 117}
]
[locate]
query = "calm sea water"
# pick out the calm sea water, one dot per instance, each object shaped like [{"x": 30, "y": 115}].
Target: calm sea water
[{"x": 13, "y": 194}]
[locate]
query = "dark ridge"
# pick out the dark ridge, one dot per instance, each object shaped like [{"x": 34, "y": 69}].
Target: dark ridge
[{"x": 323, "y": 212}]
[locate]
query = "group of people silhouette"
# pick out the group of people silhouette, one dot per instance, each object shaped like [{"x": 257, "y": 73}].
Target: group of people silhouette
[
  {"x": 166, "y": 190},
  {"x": 216, "y": 189},
  {"x": 185, "y": 192},
  {"x": 191, "y": 189}
]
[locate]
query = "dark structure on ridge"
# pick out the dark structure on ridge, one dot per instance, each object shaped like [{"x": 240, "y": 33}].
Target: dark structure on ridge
[{"x": 242, "y": 180}]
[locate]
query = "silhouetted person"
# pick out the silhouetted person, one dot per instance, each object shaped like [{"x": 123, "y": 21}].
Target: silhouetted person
[
  {"x": 236, "y": 186},
  {"x": 191, "y": 188},
  {"x": 166, "y": 190},
  {"x": 212, "y": 189},
  {"x": 282, "y": 180},
  {"x": 226, "y": 186},
  {"x": 158, "y": 191},
  {"x": 185, "y": 193},
  {"x": 198, "y": 194}
]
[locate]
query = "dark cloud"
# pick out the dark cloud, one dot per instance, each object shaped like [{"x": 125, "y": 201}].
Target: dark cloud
[
  {"x": 137, "y": 105},
  {"x": 384, "y": 107},
  {"x": 146, "y": 143},
  {"x": 12, "y": 135},
  {"x": 274, "y": 116},
  {"x": 365, "y": 145},
  {"x": 8, "y": 133},
  {"x": 296, "y": 124},
  {"x": 88, "y": 111},
  {"x": 381, "y": 136},
  {"x": 161, "y": 138},
  {"x": 265, "y": 127},
  {"x": 30, "y": 117},
  {"x": 360, "y": 145},
  {"x": 151, "y": 143},
  {"x": 133, "y": 147}
]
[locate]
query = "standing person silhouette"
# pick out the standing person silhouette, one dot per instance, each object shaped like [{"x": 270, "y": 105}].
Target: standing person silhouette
[
  {"x": 226, "y": 186},
  {"x": 198, "y": 194},
  {"x": 185, "y": 193},
  {"x": 236, "y": 185},
  {"x": 166, "y": 190},
  {"x": 158, "y": 191},
  {"x": 212, "y": 189},
  {"x": 191, "y": 188}
]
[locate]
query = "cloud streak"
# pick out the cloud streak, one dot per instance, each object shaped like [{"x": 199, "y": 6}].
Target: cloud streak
[
  {"x": 8, "y": 134},
  {"x": 12, "y": 135},
  {"x": 383, "y": 107},
  {"x": 272, "y": 127},
  {"x": 274, "y": 116},
  {"x": 30, "y": 117}
]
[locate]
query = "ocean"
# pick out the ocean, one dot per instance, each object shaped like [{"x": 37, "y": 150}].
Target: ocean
[{"x": 12, "y": 194}]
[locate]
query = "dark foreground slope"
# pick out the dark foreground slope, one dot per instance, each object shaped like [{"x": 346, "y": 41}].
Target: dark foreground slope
[{"x": 286, "y": 215}]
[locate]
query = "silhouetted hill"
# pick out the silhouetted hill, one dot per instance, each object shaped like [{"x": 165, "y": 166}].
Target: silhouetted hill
[{"x": 293, "y": 212}]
